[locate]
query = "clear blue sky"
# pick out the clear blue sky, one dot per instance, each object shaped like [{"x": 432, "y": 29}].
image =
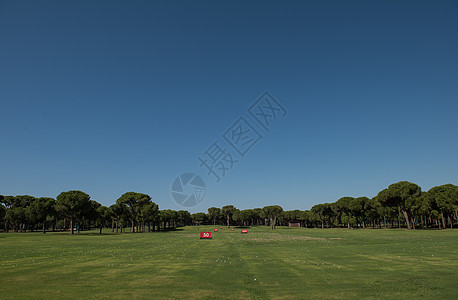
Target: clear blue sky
[{"x": 116, "y": 96}]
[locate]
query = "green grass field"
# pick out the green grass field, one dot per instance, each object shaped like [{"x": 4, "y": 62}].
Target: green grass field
[{"x": 287, "y": 263}]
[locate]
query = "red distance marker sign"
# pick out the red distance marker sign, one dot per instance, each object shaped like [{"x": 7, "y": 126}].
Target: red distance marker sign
[
  {"x": 244, "y": 231},
  {"x": 232, "y": 229},
  {"x": 205, "y": 235},
  {"x": 216, "y": 229}
]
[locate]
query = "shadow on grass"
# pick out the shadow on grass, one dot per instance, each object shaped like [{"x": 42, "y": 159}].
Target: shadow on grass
[
  {"x": 170, "y": 229},
  {"x": 127, "y": 232}
]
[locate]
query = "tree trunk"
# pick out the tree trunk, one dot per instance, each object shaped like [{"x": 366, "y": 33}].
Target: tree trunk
[
  {"x": 44, "y": 227},
  {"x": 406, "y": 216},
  {"x": 112, "y": 225},
  {"x": 322, "y": 224},
  {"x": 443, "y": 220},
  {"x": 227, "y": 221},
  {"x": 71, "y": 225}
]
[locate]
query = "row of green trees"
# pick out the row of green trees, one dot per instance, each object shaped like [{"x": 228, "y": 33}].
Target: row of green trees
[
  {"x": 402, "y": 204},
  {"x": 75, "y": 210},
  {"x": 229, "y": 215}
]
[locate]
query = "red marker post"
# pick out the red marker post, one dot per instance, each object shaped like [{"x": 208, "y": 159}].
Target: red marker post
[
  {"x": 245, "y": 231},
  {"x": 205, "y": 235},
  {"x": 216, "y": 229},
  {"x": 232, "y": 229}
]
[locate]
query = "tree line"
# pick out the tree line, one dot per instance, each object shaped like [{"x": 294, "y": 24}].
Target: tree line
[
  {"x": 74, "y": 210},
  {"x": 401, "y": 205}
]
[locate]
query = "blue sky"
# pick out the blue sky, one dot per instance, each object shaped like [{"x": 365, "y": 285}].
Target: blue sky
[{"x": 116, "y": 96}]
